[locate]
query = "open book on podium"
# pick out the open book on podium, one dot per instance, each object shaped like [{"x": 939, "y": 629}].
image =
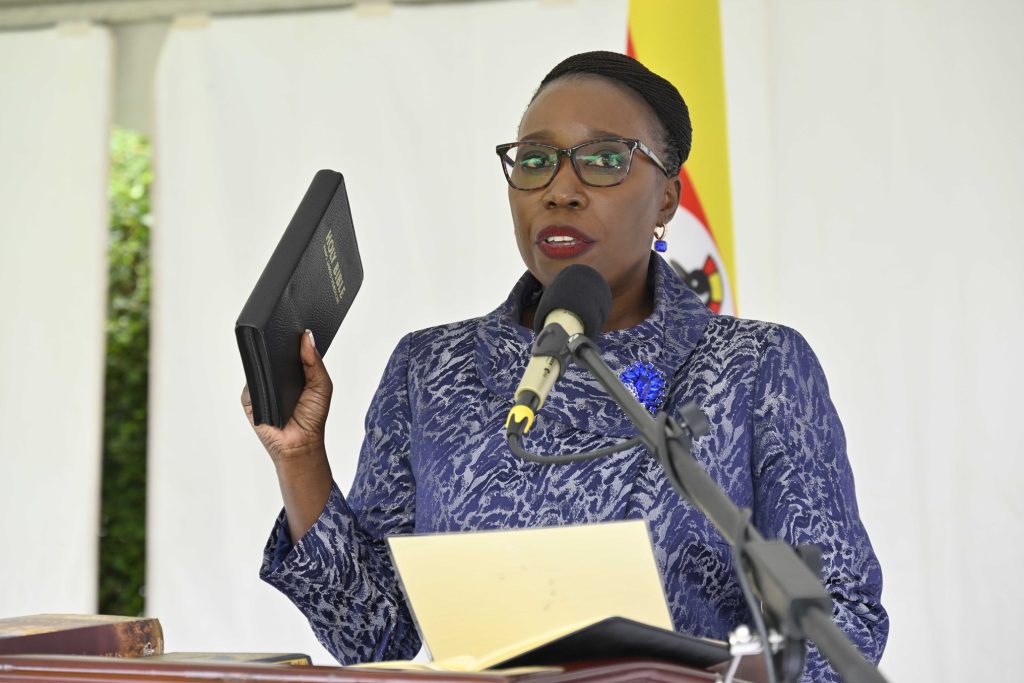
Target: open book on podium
[{"x": 540, "y": 597}]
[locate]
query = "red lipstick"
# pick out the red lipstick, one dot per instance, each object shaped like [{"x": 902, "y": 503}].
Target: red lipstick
[{"x": 563, "y": 242}]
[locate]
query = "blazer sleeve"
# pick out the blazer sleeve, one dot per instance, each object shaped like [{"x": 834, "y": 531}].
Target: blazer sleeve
[
  {"x": 340, "y": 574},
  {"x": 804, "y": 490}
]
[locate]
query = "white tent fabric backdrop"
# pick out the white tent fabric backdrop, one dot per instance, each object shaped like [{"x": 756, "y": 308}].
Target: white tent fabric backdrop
[
  {"x": 54, "y": 122},
  {"x": 876, "y": 209}
]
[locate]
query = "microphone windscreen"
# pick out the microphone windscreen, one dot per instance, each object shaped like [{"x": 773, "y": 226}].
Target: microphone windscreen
[{"x": 581, "y": 290}]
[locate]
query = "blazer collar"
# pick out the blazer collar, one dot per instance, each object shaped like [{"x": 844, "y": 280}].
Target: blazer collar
[{"x": 665, "y": 339}]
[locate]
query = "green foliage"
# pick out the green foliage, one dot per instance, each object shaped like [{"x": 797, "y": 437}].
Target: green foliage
[{"x": 122, "y": 560}]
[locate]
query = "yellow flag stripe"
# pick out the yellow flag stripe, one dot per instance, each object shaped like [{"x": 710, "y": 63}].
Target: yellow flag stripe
[{"x": 682, "y": 41}]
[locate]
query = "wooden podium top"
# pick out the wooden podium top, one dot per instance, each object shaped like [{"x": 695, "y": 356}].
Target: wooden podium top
[{"x": 51, "y": 669}]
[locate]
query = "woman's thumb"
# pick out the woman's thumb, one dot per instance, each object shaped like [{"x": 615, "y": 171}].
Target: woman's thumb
[{"x": 317, "y": 378}]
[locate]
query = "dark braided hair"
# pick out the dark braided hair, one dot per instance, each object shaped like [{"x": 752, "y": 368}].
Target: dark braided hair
[{"x": 662, "y": 96}]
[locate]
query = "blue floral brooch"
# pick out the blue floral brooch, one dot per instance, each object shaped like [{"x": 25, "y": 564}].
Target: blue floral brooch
[{"x": 647, "y": 383}]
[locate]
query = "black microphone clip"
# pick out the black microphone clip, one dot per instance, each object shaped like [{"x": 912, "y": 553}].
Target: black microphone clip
[{"x": 553, "y": 341}]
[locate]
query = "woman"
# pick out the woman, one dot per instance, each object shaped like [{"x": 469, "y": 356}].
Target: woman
[{"x": 434, "y": 457}]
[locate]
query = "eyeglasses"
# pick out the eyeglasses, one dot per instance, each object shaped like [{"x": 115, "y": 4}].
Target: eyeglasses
[{"x": 598, "y": 163}]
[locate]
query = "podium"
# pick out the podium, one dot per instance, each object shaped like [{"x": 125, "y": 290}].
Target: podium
[{"x": 67, "y": 669}]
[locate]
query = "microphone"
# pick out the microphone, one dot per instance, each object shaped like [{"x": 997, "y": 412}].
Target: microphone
[{"x": 577, "y": 301}]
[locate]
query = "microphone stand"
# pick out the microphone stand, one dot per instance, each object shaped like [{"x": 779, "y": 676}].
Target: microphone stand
[{"x": 792, "y": 596}]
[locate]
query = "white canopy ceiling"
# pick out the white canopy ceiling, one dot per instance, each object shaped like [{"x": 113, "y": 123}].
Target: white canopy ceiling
[{"x": 16, "y": 14}]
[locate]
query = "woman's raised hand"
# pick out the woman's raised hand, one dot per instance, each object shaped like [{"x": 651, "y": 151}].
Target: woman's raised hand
[
  {"x": 297, "y": 450},
  {"x": 303, "y": 435}
]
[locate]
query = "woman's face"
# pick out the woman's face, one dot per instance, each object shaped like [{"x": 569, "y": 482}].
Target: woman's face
[{"x": 612, "y": 227}]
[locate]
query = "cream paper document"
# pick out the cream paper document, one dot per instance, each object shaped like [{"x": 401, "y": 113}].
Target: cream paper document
[{"x": 486, "y": 594}]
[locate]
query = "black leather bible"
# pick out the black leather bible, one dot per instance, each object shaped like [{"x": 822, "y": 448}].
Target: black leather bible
[{"x": 309, "y": 283}]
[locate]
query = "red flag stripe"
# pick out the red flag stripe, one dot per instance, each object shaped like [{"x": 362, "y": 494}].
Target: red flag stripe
[{"x": 688, "y": 198}]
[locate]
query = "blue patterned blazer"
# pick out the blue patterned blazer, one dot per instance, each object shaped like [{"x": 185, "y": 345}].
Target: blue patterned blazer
[{"x": 434, "y": 459}]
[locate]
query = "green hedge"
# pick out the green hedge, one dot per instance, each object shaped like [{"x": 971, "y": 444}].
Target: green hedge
[{"x": 122, "y": 548}]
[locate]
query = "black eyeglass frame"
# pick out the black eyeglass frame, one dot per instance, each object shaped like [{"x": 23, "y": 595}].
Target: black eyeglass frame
[{"x": 570, "y": 153}]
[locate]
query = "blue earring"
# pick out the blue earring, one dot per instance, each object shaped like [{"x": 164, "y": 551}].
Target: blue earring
[{"x": 660, "y": 245}]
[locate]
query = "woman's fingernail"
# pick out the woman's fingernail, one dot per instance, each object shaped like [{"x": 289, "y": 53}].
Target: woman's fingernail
[{"x": 311, "y": 339}]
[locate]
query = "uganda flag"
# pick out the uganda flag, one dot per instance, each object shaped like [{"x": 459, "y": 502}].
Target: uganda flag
[{"x": 682, "y": 41}]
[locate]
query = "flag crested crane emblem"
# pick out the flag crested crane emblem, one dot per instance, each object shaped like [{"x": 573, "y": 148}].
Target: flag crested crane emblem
[{"x": 682, "y": 41}]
